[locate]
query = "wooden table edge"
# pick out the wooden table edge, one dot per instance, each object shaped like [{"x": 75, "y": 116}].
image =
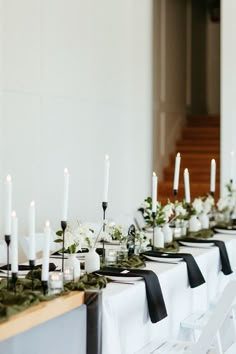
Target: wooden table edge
[{"x": 40, "y": 313}]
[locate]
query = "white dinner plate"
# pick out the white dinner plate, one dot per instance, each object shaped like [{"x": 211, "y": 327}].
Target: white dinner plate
[
  {"x": 196, "y": 244},
  {"x": 123, "y": 279},
  {"x": 226, "y": 231},
  {"x": 164, "y": 260}
]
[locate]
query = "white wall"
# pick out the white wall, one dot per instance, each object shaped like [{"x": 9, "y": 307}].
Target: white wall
[
  {"x": 1, "y": 87},
  {"x": 77, "y": 84},
  {"x": 228, "y": 87}
]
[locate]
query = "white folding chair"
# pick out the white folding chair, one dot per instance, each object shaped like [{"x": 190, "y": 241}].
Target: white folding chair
[{"x": 208, "y": 334}]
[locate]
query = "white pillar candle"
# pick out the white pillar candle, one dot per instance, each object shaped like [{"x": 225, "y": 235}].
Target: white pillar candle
[
  {"x": 8, "y": 205},
  {"x": 46, "y": 252},
  {"x": 32, "y": 231},
  {"x": 176, "y": 174},
  {"x": 106, "y": 178},
  {"x": 154, "y": 192},
  {"x": 213, "y": 176},
  {"x": 187, "y": 186},
  {"x": 65, "y": 195},
  {"x": 231, "y": 173},
  {"x": 14, "y": 244}
]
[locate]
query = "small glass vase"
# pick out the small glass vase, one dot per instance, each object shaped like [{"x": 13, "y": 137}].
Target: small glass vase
[
  {"x": 73, "y": 262},
  {"x": 92, "y": 261}
]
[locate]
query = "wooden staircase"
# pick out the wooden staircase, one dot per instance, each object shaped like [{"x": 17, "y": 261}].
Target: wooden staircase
[{"x": 200, "y": 142}]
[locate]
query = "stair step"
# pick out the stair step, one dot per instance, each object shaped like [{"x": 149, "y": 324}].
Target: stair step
[
  {"x": 201, "y": 131},
  {"x": 195, "y": 175},
  {"x": 195, "y": 160},
  {"x": 197, "y": 120},
  {"x": 205, "y": 140},
  {"x": 196, "y": 189},
  {"x": 199, "y": 144},
  {"x": 182, "y": 147}
]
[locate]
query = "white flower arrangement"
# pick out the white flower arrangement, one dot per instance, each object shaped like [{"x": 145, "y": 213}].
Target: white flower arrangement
[
  {"x": 180, "y": 211},
  {"x": 228, "y": 202},
  {"x": 208, "y": 204},
  {"x": 203, "y": 205},
  {"x": 142, "y": 240},
  {"x": 163, "y": 213},
  {"x": 198, "y": 205},
  {"x": 76, "y": 237}
]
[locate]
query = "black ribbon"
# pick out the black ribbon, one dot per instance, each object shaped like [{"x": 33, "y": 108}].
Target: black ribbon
[
  {"x": 194, "y": 273},
  {"x": 225, "y": 263},
  {"x": 155, "y": 300},
  {"x": 22, "y": 267}
]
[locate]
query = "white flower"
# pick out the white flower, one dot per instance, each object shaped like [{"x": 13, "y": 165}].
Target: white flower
[
  {"x": 105, "y": 236},
  {"x": 180, "y": 210},
  {"x": 208, "y": 204},
  {"x": 168, "y": 211},
  {"x": 198, "y": 205},
  {"x": 142, "y": 240},
  {"x": 69, "y": 239},
  {"x": 226, "y": 203}
]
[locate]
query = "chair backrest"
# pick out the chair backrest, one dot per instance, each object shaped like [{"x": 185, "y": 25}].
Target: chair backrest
[{"x": 216, "y": 320}]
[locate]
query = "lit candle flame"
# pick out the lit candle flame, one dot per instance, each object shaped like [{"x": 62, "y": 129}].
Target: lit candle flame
[{"x": 8, "y": 179}]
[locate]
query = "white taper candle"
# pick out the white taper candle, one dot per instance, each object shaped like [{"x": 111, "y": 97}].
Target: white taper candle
[
  {"x": 8, "y": 205},
  {"x": 46, "y": 252},
  {"x": 187, "y": 186},
  {"x": 213, "y": 176},
  {"x": 176, "y": 174},
  {"x": 232, "y": 167},
  {"x": 31, "y": 254},
  {"x": 154, "y": 192},
  {"x": 106, "y": 178},
  {"x": 65, "y": 195},
  {"x": 14, "y": 243}
]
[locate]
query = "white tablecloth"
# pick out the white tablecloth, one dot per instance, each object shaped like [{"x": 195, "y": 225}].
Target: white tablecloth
[{"x": 126, "y": 323}]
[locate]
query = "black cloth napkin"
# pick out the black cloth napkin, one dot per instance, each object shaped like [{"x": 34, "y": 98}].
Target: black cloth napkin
[
  {"x": 57, "y": 253},
  {"x": 155, "y": 300},
  {"x": 22, "y": 267},
  {"x": 194, "y": 273},
  {"x": 225, "y": 263}
]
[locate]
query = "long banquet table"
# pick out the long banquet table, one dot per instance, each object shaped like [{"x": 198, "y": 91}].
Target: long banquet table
[{"x": 126, "y": 324}]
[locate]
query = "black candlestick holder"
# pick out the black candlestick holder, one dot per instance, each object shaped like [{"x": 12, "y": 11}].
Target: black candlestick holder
[
  {"x": 14, "y": 277},
  {"x": 45, "y": 286},
  {"x": 104, "y": 208},
  {"x": 32, "y": 265},
  {"x": 175, "y": 192},
  {"x": 8, "y": 241},
  {"x": 153, "y": 229},
  {"x": 63, "y": 226}
]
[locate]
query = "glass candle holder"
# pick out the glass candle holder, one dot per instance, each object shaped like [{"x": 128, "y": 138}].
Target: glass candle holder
[
  {"x": 122, "y": 254},
  {"x": 111, "y": 256},
  {"x": 55, "y": 282},
  {"x": 68, "y": 274},
  {"x": 177, "y": 229}
]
